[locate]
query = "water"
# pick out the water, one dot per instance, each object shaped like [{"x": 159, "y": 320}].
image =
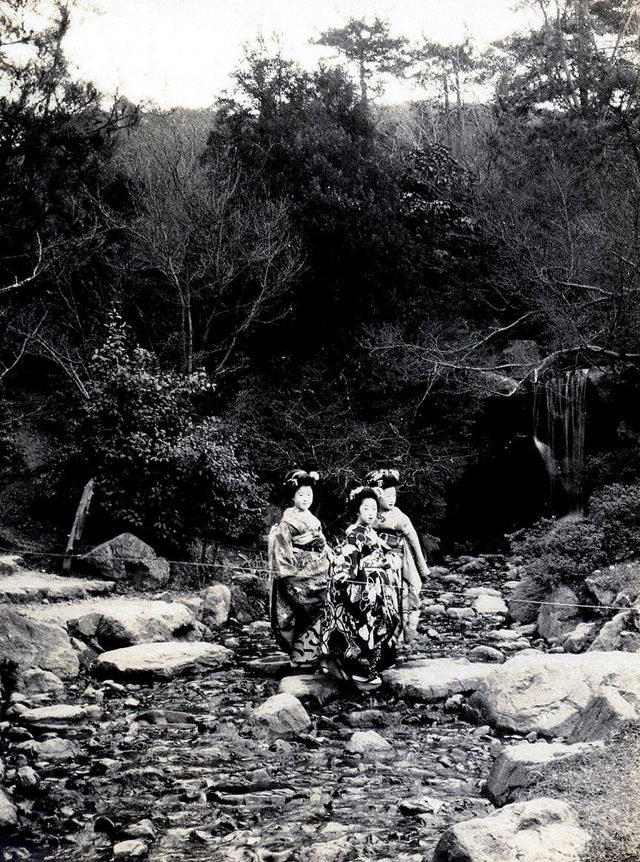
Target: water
[{"x": 559, "y": 435}]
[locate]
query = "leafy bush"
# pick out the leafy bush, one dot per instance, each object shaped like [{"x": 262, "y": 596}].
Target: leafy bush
[
  {"x": 569, "y": 549},
  {"x": 163, "y": 466},
  {"x": 615, "y": 509},
  {"x": 560, "y": 551}
]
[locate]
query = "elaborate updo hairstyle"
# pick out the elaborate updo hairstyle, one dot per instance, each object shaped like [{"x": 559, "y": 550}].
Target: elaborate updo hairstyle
[
  {"x": 298, "y": 479},
  {"x": 362, "y": 492},
  {"x": 383, "y": 478}
]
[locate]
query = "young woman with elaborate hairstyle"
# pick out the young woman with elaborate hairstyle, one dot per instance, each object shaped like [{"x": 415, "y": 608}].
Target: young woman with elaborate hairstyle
[
  {"x": 396, "y": 529},
  {"x": 299, "y": 564},
  {"x": 362, "y": 621}
]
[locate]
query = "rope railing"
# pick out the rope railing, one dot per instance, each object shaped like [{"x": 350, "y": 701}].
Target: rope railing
[{"x": 253, "y": 569}]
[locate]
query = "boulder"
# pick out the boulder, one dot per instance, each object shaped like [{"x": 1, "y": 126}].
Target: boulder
[
  {"x": 9, "y": 564},
  {"x": 541, "y": 830},
  {"x": 579, "y": 639},
  {"x": 283, "y": 714},
  {"x": 369, "y": 744},
  {"x": 606, "y": 584},
  {"x": 126, "y": 622},
  {"x": 37, "y": 681},
  {"x": 134, "y": 848},
  {"x": 519, "y": 602},
  {"x": 547, "y": 693},
  {"x": 27, "y": 643},
  {"x": 489, "y": 604},
  {"x": 482, "y": 653},
  {"x": 311, "y": 688},
  {"x": 53, "y": 748},
  {"x": 436, "y": 679},
  {"x": 520, "y": 765},
  {"x": 129, "y": 559},
  {"x": 620, "y": 633},
  {"x": 216, "y": 605},
  {"x": 8, "y": 812},
  {"x": 605, "y": 713},
  {"x": 560, "y": 616},
  {"x": 146, "y": 662}
]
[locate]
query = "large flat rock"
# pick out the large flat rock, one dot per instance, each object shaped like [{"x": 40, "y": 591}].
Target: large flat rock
[
  {"x": 541, "y": 830},
  {"x": 33, "y": 586},
  {"x": 119, "y": 623},
  {"x": 151, "y": 661},
  {"x": 438, "y": 678},
  {"x": 548, "y": 693}
]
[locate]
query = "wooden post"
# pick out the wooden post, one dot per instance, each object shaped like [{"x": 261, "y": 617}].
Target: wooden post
[{"x": 78, "y": 523}]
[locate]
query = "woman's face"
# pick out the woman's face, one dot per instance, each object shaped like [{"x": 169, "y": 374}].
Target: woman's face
[
  {"x": 368, "y": 511},
  {"x": 303, "y": 498},
  {"x": 388, "y": 498}
]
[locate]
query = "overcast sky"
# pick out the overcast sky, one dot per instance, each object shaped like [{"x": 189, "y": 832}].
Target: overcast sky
[{"x": 181, "y": 52}]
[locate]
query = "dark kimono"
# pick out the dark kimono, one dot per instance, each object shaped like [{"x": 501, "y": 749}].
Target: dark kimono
[
  {"x": 299, "y": 566},
  {"x": 362, "y": 620}
]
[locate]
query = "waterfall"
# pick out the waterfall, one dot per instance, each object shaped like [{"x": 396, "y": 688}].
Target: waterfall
[{"x": 559, "y": 432}]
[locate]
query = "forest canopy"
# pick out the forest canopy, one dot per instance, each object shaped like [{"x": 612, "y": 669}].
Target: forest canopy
[{"x": 303, "y": 276}]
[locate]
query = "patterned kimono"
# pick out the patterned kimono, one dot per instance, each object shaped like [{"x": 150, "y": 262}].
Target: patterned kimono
[
  {"x": 298, "y": 583},
  {"x": 362, "y": 621},
  {"x": 397, "y": 531}
]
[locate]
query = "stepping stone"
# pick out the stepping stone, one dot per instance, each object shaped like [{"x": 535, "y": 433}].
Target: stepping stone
[
  {"x": 436, "y": 679},
  {"x": 32, "y": 586},
  {"x": 147, "y": 662},
  {"x": 311, "y": 687},
  {"x": 283, "y": 714},
  {"x": 119, "y": 623},
  {"x": 60, "y": 714},
  {"x": 489, "y": 604},
  {"x": 269, "y": 665}
]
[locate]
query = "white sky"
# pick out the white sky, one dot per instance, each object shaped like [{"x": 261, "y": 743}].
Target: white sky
[{"x": 181, "y": 52}]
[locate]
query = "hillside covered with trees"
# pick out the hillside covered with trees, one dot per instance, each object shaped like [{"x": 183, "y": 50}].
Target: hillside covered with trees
[{"x": 193, "y": 302}]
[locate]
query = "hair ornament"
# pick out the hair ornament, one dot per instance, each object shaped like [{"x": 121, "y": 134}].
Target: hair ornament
[
  {"x": 383, "y": 478},
  {"x": 298, "y": 478}
]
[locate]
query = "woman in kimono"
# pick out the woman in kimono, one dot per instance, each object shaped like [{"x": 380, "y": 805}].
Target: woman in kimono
[
  {"x": 299, "y": 564},
  {"x": 362, "y": 621},
  {"x": 395, "y": 528}
]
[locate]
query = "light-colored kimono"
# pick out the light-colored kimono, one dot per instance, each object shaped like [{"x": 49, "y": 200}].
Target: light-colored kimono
[
  {"x": 396, "y": 529},
  {"x": 298, "y": 582}
]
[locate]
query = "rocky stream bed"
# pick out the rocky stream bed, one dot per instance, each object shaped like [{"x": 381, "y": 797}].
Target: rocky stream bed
[{"x": 180, "y": 768}]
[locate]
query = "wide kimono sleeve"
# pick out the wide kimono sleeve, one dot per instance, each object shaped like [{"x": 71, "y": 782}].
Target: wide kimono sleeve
[
  {"x": 408, "y": 531},
  {"x": 280, "y": 551}
]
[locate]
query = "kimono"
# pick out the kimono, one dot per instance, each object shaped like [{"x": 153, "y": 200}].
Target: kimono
[
  {"x": 397, "y": 531},
  {"x": 298, "y": 566},
  {"x": 362, "y": 620}
]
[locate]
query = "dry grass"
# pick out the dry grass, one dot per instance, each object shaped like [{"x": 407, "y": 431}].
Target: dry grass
[{"x": 603, "y": 787}]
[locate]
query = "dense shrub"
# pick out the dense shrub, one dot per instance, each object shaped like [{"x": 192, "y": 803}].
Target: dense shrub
[
  {"x": 164, "y": 465},
  {"x": 562, "y": 551},
  {"x": 615, "y": 509}
]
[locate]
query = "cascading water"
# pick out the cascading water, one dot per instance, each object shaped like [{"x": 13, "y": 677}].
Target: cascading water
[{"x": 559, "y": 433}]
